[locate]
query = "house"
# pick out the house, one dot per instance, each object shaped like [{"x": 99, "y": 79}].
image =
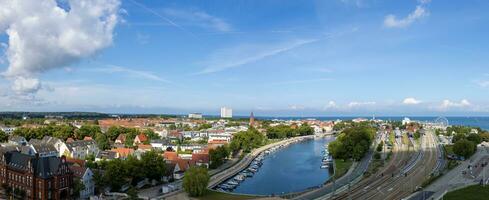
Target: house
[
  {"x": 162, "y": 144},
  {"x": 85, "y": 175},
  {"x": 80, "y": 149},
  {"x": 170, "y": 155},
  {"x": 7, "y": 130},
  {"x": 201, "y": 159},
  {"x": 123, "y": 153},
  {"x": 140, "y": 139},
  {"x": 181, "y": 165},
  {"x": 87, "y": 138},
  {"x": 169, "y": 172},
  {"x": 40, "y": 149},
  {"x": 16, "y": 140},
  {"x": 145, "y": 147},
  {"x": 121, "y": 139},
  {"x": 40, "y": 177},
  {"x": 105, "y": 155}
]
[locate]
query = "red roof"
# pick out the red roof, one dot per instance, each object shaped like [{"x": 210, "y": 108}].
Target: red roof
[
  {"x": 87, "y": 138},
  {"x": 141, "y": 137},
  {"x": 144, "y": 146},
  {"x": 121, "y": 138},
  {"x": 200, "y": 157},
  {"x": 170, "y": 155},
  {"x": 69, "y": 140},
  {"x": 123, "y": 152},
  {"x": 77, "y": 171},
  {"x": 77, "y": 162}
]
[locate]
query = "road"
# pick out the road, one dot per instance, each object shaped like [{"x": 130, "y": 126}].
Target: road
[{"x": 456, "y": 179}]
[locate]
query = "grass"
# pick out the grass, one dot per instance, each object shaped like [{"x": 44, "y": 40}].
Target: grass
[
  {"x": 214, "y": 195},
  {"x": 374, "y": 167},
  {"x": 341, "y": 167},
  {"x": 392, "y": 138},
  {"x": 474, "y": 192},
  {"x": 448, "y": 149}
]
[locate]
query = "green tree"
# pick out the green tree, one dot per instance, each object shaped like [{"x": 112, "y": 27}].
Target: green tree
[
  {"x": 475, "y": 138},
  {"x": 305, "y": 129},
  {"x": 87, "y": 130},
  {"x": 352, "y": 143},
  {"x": 102, "y": 141},
  {"x": 132, "y": 194},
  {"x": 195, "y": 181},
  {"x": 218, "y": 156},
  {"x": 77, "y": 187},
  {"x": 247, "y": 140},
  {"x": 464, "y": 148},
  {"x": 151, "y": 134},
  {"x": 153, "y": 165},
  {"x": 457, "y": 137},
  {"x": 380, "y": 146},
  {"x": 3, "y": 136}
]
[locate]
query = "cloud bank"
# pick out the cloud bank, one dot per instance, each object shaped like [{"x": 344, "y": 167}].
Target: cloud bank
[{"x": 43, "y": 36}]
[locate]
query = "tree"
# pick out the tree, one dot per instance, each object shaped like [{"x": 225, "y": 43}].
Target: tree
[
  {"x": 464, "y": 148},
  {"x": 153, "y": 165},
  {"x": 218, "y": 156},
  {"x": 87, "y": 130},
  {"x": 151, "y": 134},
  {"x": 417, "y": 135},
  {"x": 132, "y": 193},
  {"x": 352, "y": 143},
  {"x": 195, "y": 181},
  {"x": 380, "y": 146},
  {"x": 3, "y": 136},
  {"x": 247, "y": 140},
  {"x": 77, "y": 187},
  {"x": 102, "y": 141},
  {"x": 305, "y": 129},
  {"x": 475, "y": 138},
  {"x": 457, "y": 137}
]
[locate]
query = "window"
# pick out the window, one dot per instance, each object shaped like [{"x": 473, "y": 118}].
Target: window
[{"x": 40, "y": 195}]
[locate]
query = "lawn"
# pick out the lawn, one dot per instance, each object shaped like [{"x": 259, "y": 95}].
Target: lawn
[
  {"x": 341, "y": 167},
  {"x": 449, "y": 149},
  {"x": 392, "y": 138},
  {"x": 214, "y": 195},
  {"x": 469, "y": 193}
]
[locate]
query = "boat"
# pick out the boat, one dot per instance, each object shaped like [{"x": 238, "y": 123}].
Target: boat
[
  {"x": 231, "y": 182},
  {"x": 324, "y": 166}
]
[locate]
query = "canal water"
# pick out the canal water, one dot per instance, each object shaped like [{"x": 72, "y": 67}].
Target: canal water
[{"x": 291, "y": 169}]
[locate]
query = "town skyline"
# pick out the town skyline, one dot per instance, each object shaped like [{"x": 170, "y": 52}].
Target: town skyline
[{"x": 335, "y": 58}]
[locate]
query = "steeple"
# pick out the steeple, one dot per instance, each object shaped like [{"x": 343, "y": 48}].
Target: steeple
[{"x": 252, "y": 120}]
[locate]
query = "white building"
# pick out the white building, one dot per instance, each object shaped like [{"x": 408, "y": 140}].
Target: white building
[
  {"x": 226, "y": 112},
  {"x": 406, "y": 121},
  {"x": 195, "y": 115}
]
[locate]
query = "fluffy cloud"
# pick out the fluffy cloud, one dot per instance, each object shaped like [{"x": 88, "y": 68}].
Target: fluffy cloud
[
  {"x": 446, "y": 104},
  {"x": 357, "y": 104},
  {"x": 330, "y": 105},
  {"x": 391, "y": 21},
  {"x": 44, "y": 36},
  {"x": 411, "y": 101}
]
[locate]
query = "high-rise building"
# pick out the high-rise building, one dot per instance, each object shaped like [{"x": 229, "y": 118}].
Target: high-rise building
[
  {"x": 252, "y": 120},
  {"x": 226, "y": 112}
]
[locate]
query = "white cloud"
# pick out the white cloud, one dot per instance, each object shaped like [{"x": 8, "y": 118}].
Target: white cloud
[
  {"x": 330, "y": 105},
  {"x": 483, "y": 83},
  {"x": 135, "y": 73},
  {"x": 447, "y": 104},
  {"x": 23, "y": 85},
  {"x": 391, "y": 21},
  {"x": 199, "y": 18},
  {"x": 44, "y": 36},
  {"x": 359, "y": 104},
  {"x": 246, "y": 54},
  {"x": 411, "y": 101},
  {"x": 296, "y": 107}
]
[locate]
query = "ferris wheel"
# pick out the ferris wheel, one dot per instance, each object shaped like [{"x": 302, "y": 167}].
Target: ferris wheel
[{"x": 441, "y": 122}]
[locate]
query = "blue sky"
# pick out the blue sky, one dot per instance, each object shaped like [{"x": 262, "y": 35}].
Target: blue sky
[{"x": 301, "y": 58}]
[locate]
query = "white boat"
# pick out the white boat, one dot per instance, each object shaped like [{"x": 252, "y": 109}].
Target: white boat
[
  {"x": 324, "y": 166},
  {"x": 232, "y": 182}
]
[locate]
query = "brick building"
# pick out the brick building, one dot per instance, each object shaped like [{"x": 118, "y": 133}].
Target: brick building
[{"x": 38, "y": 177}]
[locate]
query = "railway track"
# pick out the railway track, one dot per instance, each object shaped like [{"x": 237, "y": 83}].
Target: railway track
[{"x": 395, "y": 187}]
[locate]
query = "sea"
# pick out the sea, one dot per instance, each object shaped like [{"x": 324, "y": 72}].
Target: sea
[{"x": 482, "y": 122}]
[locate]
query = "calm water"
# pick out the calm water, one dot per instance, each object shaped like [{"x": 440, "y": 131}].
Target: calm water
[
  {"x": 291, "y": 169},
  {"x": 482, "y": 122}
]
